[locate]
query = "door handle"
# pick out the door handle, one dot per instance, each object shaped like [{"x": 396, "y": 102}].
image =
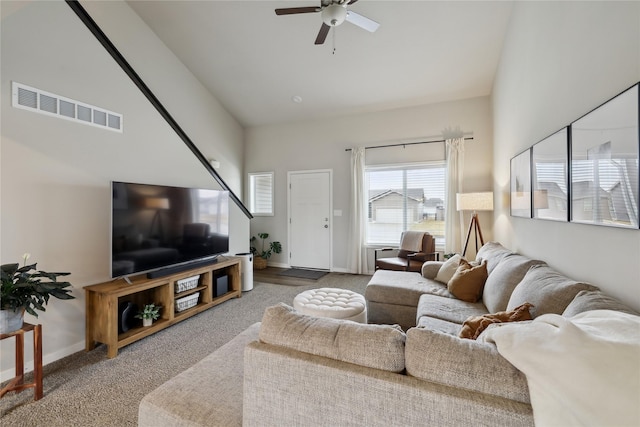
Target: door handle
[{"x": 326, "y": 226}]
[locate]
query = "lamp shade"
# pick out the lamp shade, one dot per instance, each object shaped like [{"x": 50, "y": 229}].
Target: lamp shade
[
  {"x": 334, "y": 15},
  {"x": 156, "y": 203},
  {"x": 474, "y": 201},
  {"x": 540, "y": 199}
]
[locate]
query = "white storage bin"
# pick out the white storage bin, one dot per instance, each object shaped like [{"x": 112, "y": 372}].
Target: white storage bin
[
  {"x": 187, "y": 302},
  {"x": 187, "y": 283}
]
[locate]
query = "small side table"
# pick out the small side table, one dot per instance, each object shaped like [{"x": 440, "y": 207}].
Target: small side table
[{"x": 17, "y": 384}]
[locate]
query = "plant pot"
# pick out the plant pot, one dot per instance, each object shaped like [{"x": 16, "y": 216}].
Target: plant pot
[
  {"x": 10, "y": 320},
  {"x": 147, "y": 322},
  {"x": 259, "y": 263}
]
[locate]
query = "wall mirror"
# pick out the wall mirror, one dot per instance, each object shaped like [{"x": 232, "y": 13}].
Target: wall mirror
[
  {"x": 550, "y": 164},
  {"x": 521, "y": 185},
  {"x": 604, "y": 163}
]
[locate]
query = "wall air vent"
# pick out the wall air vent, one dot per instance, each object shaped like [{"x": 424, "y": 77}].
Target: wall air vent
[{"x": 39, "y": 101}]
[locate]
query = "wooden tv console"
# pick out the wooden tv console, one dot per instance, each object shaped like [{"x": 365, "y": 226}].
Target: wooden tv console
[{"x": 103, "y": 301}]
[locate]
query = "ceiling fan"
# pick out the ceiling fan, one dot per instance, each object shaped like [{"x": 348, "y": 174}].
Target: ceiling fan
[{"x": 334, "y": 13}]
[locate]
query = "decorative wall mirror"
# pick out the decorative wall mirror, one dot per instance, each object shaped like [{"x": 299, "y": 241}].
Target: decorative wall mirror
[
  {"x": 604, "y": 163},
  {"x": 521, "y": 185},
  {"x": 550, "y": 164}
]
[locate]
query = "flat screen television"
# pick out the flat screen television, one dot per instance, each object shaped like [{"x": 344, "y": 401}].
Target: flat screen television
[{"x": 157, "y": 228}]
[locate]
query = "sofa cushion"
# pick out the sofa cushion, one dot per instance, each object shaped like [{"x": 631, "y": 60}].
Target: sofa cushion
[
  {"x": 503, "y": 279},
  {"x": 595, "y": 300},
  {"x": 448, "y": 269},
  {"x": 402, "y": 287},
  {"x": 468, "y": 281},
  {"x": 337, "y": 339},
  {"x": 467, "y": 364},
  {"x": 548, "y": 291},
  {"x": 473, "y": 326},
  {"x": 492, "y": 252},
  {"x": 439, "y": 325},
  {"x": 450, "y": 310}
]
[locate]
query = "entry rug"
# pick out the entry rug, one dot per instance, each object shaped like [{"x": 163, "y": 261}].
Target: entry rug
[{"x": 303, "y": 274}]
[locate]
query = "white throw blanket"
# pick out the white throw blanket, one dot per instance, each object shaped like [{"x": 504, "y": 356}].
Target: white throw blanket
[
  {"x": 412, "y": 241},
  {"x": 581, "y": 371}
]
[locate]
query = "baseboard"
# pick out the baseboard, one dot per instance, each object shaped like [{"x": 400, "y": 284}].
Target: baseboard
[
  {"x": 281, "y": 265},
  {"x": 46, "y": 359}
]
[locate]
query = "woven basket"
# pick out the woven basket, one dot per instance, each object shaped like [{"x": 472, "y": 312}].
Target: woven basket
[{"x": 259, "y": 263}]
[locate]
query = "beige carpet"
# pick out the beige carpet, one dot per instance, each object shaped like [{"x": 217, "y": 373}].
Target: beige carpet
[{"x": 87, "y": 389}]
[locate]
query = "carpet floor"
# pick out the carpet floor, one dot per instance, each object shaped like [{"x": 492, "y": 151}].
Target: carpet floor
[{"x": 87, "y": 389}]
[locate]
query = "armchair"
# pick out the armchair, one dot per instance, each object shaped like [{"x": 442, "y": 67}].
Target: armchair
[{"x": 416, "y": 247}]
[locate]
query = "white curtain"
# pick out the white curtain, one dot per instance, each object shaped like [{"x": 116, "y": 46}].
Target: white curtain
[
  {"x": 356, "y": 251},
  {"x": 453, "y": 222}
]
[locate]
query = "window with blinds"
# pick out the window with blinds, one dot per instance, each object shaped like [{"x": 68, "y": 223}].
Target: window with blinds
[
  {"x": 405, "y": 197},
  {"x": 261, "y": 193}
]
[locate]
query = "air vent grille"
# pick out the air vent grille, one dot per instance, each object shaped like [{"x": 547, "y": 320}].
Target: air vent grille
[{"x": 39, "y": 101}]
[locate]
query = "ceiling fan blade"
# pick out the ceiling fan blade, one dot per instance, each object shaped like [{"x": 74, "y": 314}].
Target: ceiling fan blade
[
  {"x": 294, "y": 10},
  {"x": 322, "y": 34},
  {"x": 362, "y": 21}
]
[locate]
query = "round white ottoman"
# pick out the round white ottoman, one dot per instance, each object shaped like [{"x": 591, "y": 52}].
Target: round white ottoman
[{"x": 332, "y": 302}]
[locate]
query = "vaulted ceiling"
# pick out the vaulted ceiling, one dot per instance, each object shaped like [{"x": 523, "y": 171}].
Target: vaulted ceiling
[{"x": 255, "y": 63}]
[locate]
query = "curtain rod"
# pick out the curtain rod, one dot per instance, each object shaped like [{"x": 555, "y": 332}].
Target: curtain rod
[{"x": 406, "y": 143}]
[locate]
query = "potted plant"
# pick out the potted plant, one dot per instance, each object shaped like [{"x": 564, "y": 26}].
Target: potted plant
[
  {"x": 261, "y": 256},
  {"x": 27, "y": 289},
  {"x": 148, "y": 314}
]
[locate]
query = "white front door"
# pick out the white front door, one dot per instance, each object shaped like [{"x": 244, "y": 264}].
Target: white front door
[{"x": 310, "y": 219}]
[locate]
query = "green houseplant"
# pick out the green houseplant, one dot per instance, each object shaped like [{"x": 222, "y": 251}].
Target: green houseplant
[
  {"x": 263, "y": 254},
  {"x": 27, "y": 289},
  {"x": 148, "y": 314}
]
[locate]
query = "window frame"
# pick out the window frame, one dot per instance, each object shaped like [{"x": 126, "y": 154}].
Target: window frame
[
  {"x": 251, "y": 191},
  {"x": 433, "y": 164}
]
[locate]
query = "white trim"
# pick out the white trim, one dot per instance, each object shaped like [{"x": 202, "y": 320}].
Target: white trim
[
  {"x": 251, "y": 196},
  {"x": 108, "y": 115}
]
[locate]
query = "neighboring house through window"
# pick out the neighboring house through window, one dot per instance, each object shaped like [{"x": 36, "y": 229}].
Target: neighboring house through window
[{"x": 405, "y": 197}]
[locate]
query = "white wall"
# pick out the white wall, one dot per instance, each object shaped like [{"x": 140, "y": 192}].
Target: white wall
[
  {"x": 321, "y": 145},
  {"x": 55, "y": 174},
  {"x": 561, "y": 60}
]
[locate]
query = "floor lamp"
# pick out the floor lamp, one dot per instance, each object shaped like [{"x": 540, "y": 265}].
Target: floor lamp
[
  {"x": 474, "y": 202},
  {"x": 158, "y": 204}
]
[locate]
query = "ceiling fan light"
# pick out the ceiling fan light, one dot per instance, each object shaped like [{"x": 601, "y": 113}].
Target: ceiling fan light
[{"x": 334, "y": 15}]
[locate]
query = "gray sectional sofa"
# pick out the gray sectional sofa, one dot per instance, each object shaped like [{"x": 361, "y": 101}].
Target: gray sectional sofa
[{"x": 407, "y": 367}]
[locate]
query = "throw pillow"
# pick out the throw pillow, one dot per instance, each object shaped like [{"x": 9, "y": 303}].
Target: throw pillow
[
  {"x": 468, "y": 281},
  {"x": 548, "y": 290},
  {"x": 448, "y": 269},
  {"x": 473, "y": 326}
]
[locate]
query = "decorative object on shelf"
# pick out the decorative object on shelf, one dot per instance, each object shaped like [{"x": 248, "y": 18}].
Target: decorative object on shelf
[
  {"x": 550, "y": 164},
  {"x": 27, "y": 289},
  {"x": 261, "y": 257},
  {"x": 187, "y": 302},
  {"x": 474, "y": 202},
  {"x": 521, "y": 184},
  {"x": 604, "y": 163},
  {"x": 187, "y": 283},
  {"x": 126, "y": 314},
  {"x": 148, "y": 314}
]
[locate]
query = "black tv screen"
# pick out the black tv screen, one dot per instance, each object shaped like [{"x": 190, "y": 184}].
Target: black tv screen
[{"x": 156, "y": 226}]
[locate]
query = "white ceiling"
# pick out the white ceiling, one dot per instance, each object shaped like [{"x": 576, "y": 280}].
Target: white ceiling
[{"x": 254, "y": 62}]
